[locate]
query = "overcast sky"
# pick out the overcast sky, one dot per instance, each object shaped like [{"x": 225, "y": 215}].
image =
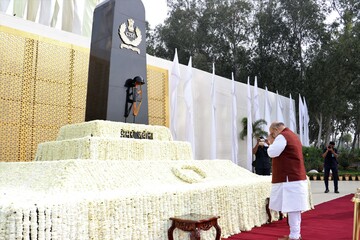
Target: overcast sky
[{"x": 155, "y": 11}]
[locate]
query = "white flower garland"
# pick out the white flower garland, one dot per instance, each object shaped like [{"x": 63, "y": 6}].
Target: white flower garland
[
  {"x": 186, "y": 177},
  {"x": 96, "y": 148},
  {"x": 109, "y": 129}
]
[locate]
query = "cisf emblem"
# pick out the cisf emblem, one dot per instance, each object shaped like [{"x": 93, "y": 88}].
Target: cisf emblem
[{"x": 130, "y": 35}]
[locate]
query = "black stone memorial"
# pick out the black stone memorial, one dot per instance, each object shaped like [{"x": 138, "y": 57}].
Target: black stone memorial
[{"x": 117, "y": 69}]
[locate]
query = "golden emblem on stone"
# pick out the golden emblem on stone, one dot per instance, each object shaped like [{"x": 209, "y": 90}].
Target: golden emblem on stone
[{"x": 130, "y": 35}]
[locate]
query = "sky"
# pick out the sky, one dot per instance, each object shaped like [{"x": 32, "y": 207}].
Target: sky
[{"x": 155, "y": 11}]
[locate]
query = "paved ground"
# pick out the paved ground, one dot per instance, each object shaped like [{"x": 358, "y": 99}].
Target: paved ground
[{"x": 345, "y": 188}]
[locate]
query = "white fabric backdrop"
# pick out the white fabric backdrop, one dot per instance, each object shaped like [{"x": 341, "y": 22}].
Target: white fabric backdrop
[{"x": 201, "y": 87}]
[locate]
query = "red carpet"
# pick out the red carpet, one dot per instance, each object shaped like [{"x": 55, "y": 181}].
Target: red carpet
[{"x": 331, "y": 220}]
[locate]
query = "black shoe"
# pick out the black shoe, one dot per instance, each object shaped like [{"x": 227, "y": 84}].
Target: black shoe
[
  {"x": 336, "y": 191},
  {"x": 326, "y": 191}
]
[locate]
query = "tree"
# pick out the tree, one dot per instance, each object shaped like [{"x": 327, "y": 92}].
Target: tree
[
  {"x": 346, "y": 139},
  {"x": 257, "y": 126},
  {"x": 210, "y": 31},
  {"x": 286, "y": 44},
  {"x": 286, "y": 34}
]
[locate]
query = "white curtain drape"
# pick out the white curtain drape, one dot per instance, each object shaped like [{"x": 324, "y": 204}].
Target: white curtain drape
[
  {"x": 88, "y": 16},
  {"x": 19, "y": 8},
  {"x": 32, "y": 10},
  {"x": 234, "y": 132},
  {"x": 279, "y": 109},
  {"x": 69, "y": 15},
  {"x": 174, "y": 81},
  {"x": 213, "y": 115},
  {"x": 188, "y": 96},
  {"x": 268, "y": 109},
  {"x": 4, "y": 5},
  {"x": 256, "y": 104},
  {"x": 47, "y": 8},
  {"x": 292, "y": 124},
  {"x": 306, "y": 125},
  {"x": 301, "y": 120},
  {"x": 249, "y": 128}
]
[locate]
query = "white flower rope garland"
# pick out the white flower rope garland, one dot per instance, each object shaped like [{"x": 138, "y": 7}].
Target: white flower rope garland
[
  {"x": 107, "y": 129},
  {"x": 186, "y": 176}
]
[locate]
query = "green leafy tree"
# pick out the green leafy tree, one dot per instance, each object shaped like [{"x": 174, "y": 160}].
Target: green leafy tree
[
  {"x": 312, "y": 158},
  {"x": 257, "y": 128},
  {"x": 286, "y": 34},
  {"x": 209, "y": 31},
  {"x": 287, "y": 44}
]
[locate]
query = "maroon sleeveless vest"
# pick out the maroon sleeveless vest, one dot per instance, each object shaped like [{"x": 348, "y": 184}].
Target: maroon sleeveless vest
[{"x": 290, "y": 163}]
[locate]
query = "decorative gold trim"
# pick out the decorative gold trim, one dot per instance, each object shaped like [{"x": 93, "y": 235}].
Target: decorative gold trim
[
  {"x": 33, "y": 36},
  {"x": 165, "y": 93}
]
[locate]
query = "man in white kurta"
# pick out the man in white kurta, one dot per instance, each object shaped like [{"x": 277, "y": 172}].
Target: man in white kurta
[{"x": 289, "y": 191}]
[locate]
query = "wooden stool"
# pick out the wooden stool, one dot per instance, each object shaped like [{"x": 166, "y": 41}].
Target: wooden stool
[{"x": 194, "y": 223}]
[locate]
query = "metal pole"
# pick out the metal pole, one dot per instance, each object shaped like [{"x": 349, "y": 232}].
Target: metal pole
[{"x": 356, "y": 227}]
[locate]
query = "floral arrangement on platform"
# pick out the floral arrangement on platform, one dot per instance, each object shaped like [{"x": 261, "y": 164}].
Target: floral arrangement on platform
[
  {"x": 77, "y": 199},
  {"x": 127, "y": 200},
  {"x": 109, "y": 129},
  {"x": 105, "y": 140},
  {"x": 97, "y": 148}
]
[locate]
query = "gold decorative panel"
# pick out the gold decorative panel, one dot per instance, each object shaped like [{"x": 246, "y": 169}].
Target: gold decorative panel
[
  {"x": 38, "y": 91},
  {"x": 157, "y": 87},
  {"x": 43, "y": 85}
]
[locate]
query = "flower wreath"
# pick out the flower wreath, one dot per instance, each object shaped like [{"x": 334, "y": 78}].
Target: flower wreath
[{"x": 182, "y": 175}]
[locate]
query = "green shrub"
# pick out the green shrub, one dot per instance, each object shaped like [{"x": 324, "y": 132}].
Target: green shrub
[
  {"x": 313, "y": 159},
  {"x": 346, "y": 158},
  {"x": 356, "y": 153},
  {"x": 344, "y": 163}
]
